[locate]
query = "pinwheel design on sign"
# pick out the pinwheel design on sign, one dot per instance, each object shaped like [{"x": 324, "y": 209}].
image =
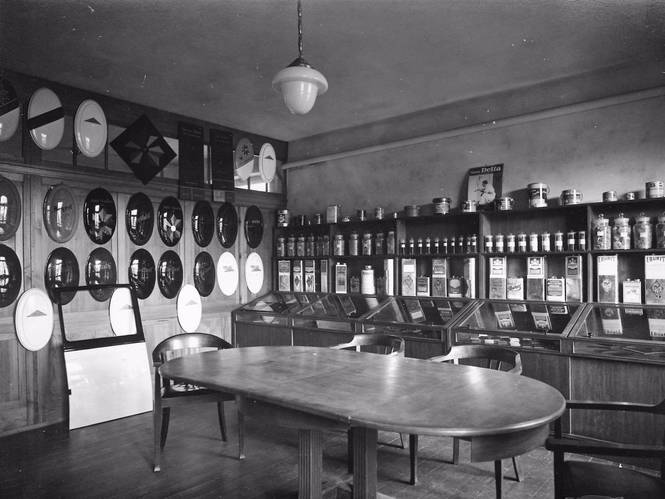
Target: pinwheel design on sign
[
  {"x": 170, "y": 221},
  {"x": 10, "y": 110},
  {"x": 144, "y": 149}
]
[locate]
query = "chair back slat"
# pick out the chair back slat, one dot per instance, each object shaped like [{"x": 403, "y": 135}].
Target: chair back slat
[
  {"x": 186, "y": 344},
  {"x": 490, "y": 357},
  {"x": 384, "y": 344}
]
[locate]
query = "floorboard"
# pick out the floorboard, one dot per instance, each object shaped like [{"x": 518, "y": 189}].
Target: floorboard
[{"x": 114, "y": 460}]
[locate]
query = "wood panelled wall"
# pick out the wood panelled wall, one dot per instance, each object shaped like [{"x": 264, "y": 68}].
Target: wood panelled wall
[{"x": 32, "y": 384}]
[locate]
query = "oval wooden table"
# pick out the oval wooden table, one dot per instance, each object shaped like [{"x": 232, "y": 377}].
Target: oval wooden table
[{"x": 314, "y": 389}]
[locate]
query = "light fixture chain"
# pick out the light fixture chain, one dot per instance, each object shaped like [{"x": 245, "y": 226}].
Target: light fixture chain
[{"x": 299, "y": 29}]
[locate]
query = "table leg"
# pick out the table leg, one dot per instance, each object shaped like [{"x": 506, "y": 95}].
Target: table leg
[
  {"x": 364, "y": 462},
  {"x": 310, "y": 464}
]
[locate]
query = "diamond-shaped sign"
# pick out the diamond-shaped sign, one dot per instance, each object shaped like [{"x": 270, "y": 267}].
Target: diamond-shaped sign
[{"x": 144, "y": 149}]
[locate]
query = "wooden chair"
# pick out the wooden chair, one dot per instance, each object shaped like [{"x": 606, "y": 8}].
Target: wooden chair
[
  {"x": 574, "y": 478},
  {"x": 169, "y": 394},
  {"x": 489, "y": 357},
  {"x": 378, "y": 343}
]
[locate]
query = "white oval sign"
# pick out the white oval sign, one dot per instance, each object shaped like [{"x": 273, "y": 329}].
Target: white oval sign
[
  {"x": 227, "y": 273},
  {"x": 189, "y": 308}
]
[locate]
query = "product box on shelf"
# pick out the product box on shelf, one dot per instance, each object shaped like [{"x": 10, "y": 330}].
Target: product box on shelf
[
  {"x": 535, "y": 278},
  {"x": 423, "y": 285},
  {"x": 470, "y": 277},
  {"x": 284, "y": 275},
  {"x": 439, "y": 277},
  {"x": 515, "y": 288},
  {"x": 498, "y": 278},
  {"x": 310, "y": 276},
  {"x": 608, "y": 277},
  {"x": 654, "y": 279},
  {"x": 409, "y": 277},
  {"x": 297, "y": 276},
  {"x": 340, "y": 278},
  {"x": 632, "y": 291},
  {"x": 389, "y": 275},
  {"x": 573, "y": 282},
  {"x": 323, "y": 276},
  {"x": 555, "y": 289},
  {"x": 610, "y": 319}
]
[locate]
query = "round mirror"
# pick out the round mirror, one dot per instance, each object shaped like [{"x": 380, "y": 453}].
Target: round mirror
[
  {"x": 10, "y": 209},
  {"x": 62, "y": 269},
  {"x": 203, "y": 223},
  {"x": 169, "y": 274},
  {"x": 204, "y": 273},
  {"x": 139, "y": 218},
  {"x": 60, "y": 213},
  {"x": 253, "y": 226},
  {"x": 169, "y": 223},
  {"x": 142, "y": 273},
  {"x": 100, "y": 269},
  {"x": 227, "y": 224},
  {"x": 10, "y": 275},
  {"x": 99, "y": 215}
]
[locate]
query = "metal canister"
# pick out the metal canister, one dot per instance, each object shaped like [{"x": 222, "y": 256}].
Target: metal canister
[
  {"x": 317, "y": 219},
  {"x": 281, "y": 246},
  {"x": 630, "y": 196},
  {"x": 412, "y": 210},
  {"x": 379, "y": 243},
  {"x": 291, "y": 246},
  {"x": 621, "y": 233},
  {"x": 353, "y": 244},
  {"x": 325, "y": 245},
  {"x": 378, "y": 213},
  {"x": 545, "y": 242},
  {"x": 505, "y": 203},
  {"x": 558, "y": 241},
  {"x": 367, "y": 243},
  {"x": 460, "y": 244},
  {"x": 655, "y": 189},
  {"x": 489, "y": 243},
  {"x": 469, "y": 206},
  {"x": 521, "y": 242},
  {"x": 570, "y": 240},
  {"x": 510, "y": 243},
  {"x": 533, "y": 242},
  {"x": 332, "y": 214},
  {"x": 419, "y": 246},
  {"x": 338, "y": 249},
  {"x": 499, "y": 243},
  {"x": 571, "y": 196},
  {"x": 538, "y": 192},
  {"x": 581, "y": 240},
  {"x": 282, "y": 218},
  {"x": 436, "y": 246},
  {"x": 309, "y": 246},
  {"x": 300, "y": 246},
  {"x": 601, "y": 233},
  {"x": 444, "y": 245},
  {"x": 660, "y": 232},
  {"x": 643, "y": 232},
  {"x": 610, "y": 196},
  {"x": 473, "y": 246},
  {"x": 412, "y": 247},
  {"x": 361, "y": 215},
  {"x": 441, "y": 205},
  {"x": 302, "y": 220}
]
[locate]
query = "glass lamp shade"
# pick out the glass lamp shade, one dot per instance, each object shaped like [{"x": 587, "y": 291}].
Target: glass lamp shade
[{"x": 299, "y": 86}]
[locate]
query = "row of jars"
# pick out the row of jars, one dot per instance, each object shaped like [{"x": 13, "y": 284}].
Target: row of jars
[
  {"x": 438, "y": 246},
  {"x": 622, "y": 236},
  {"x": 534, "y": 242},
  {"x": 303, "y": 246},
  {"x": 371, "y": 244}
]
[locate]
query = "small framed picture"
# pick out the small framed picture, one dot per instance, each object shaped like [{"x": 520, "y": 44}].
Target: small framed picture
[{"x": 484, "y": 184}]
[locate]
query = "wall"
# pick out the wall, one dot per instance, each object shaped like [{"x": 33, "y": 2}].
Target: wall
[
  {"x": 32, "y": 384},
  {"x": 612, "y": 141}
]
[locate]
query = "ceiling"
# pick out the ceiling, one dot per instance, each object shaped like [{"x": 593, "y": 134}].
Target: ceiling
[{"x": 215, "y": 59}]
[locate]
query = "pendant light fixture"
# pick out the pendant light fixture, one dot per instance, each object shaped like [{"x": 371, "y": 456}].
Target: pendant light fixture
[{"x": 299, "y": 82}]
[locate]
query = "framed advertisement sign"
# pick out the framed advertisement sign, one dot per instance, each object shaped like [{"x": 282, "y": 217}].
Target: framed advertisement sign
[{"x": 484, "y": 184}]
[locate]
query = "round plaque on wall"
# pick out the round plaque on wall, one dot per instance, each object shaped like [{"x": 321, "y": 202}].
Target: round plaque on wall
[
  {"x": 100, "y": 269},
  {"x": 139, "y": 218},
  {"x": 10, "y": 209},
  {"x": 189, "y": 308},
  {"x": 141, "y": 273},
  {"x": 227, "y": 224},
  {"x": 90, "y": 128},
  {"x": 60, "y": 213},
  {"x": 253, "y": 226},
  {"x": 46, "y": 119},
  {"x": 204, "y": 273},
  {"x": 169, "y": 274},
  {"x": 62, "y": 270},
  {"x": 203, "y": 223},
  {"x": 10, "y": 276},
  {"x": 99, "y": 215},
  {"x": 121, "y": 313},
  {"x": 33, "y": 319},
  {"x": 169, "y": 221},
  {"x": 227, "y": 273}
]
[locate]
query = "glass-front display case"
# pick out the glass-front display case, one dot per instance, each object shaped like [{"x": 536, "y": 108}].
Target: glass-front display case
[
  {"x": 531, "y": 325},
  {"x": 422, "y": 318},
  {"x": 336, "y": 312},
  {"x": 274, "y": 308},
  {"x": 621, "y": 332}
]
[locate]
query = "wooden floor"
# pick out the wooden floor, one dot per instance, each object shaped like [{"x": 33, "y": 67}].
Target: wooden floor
[{"x": 114, "y": 460}]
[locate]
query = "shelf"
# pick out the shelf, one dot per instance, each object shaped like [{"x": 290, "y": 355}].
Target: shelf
[
  {"x": 536, "y": 253},
  {"x": 652, "y": 251},
  {"x": 361, "y": 257},
  {"x": 302, "y": 257}
]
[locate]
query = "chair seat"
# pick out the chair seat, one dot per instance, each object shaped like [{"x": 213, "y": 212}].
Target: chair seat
[{"x": 590, "y": 478}]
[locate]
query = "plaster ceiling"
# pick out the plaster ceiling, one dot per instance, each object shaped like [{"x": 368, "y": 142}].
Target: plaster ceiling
[{"x": 215, "y": 59}]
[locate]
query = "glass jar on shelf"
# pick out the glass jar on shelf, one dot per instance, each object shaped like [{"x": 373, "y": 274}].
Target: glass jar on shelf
[
  {"x": 281, "y": 246},
  {"x": 291, "y": 246},
  {"x": 602, "y": 239},
  {"x": 310, "y": 246},
  {"x": 621, "y": 232},
  {"x": 353, "y": 244},
  {"x": 300, "y": 246},
  {"x": 379, "y": 243},
  {"x": 643, "y": 232},
  {"x": 660, "y": 232},
  {"x": 367, "y": 244},
  {"x": 338, "y": 250}
]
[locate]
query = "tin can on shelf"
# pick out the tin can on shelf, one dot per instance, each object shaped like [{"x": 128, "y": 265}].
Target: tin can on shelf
[
  {"x": 291, "y": 246},
  {"x": 505, "y": 203},
  {"x": 489, "y": 243},
  {"x": 444, "y": 245},
  {"x": 558, "y": 241},
  {"x": 510, "y": 243},
  {"x": 521, "y": 242},
  {"x": 428, "y": 246},
  {"x": 390, "y": 243},
  {"x": 570, "y": 240},
  {"x": 412, "y": 247},
  {"x": 601, "y": 233},
  {"x": 660, "y": 232},
  {"x": 655, "y": 189},
  {"x": 545, "y": 242},
  {"x": 300, "y": 246},
  {"x": 378, "y": 213},
  {"x": 302, "y": 220},
  {"x": 332, "y": 214},
  {"x": 282, "y": 218},
  {"x": 441, "y": 205},
  {"x": 621, "y": 233},
  {"x": 571, "y": 196},
  {"x": 317, "y": 219},
  {"x": 538, "y": 192},
  {"x": 581, "y": 241},
  {"x": 533, "y": 242},
  {"x": 361, "y": 215},
  {"x": 353, "y": 244},
  {"x": 379, "y": 243},
  {"x": 610, "y": 196},
  {"x": 460, "y": 244},
  {"x": 643, "y": 232},
  {"x": 499, "y": 243},
  {"x": 367, "y": 281},
  {"x": 436, "y": 246},
  {"x": 309, "y": 246},
  {"x": 402, "y": 247},
  {"x": 412, "y": 210},
  {"x": 630, "y": 196},
  {"x": 367, "y": 243},
  {"x": 338, "y": 249},
  {"x": 469, "y": 206},
  {"x": 281, "y": 246},
  {"x": 325, "y": 245}
]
